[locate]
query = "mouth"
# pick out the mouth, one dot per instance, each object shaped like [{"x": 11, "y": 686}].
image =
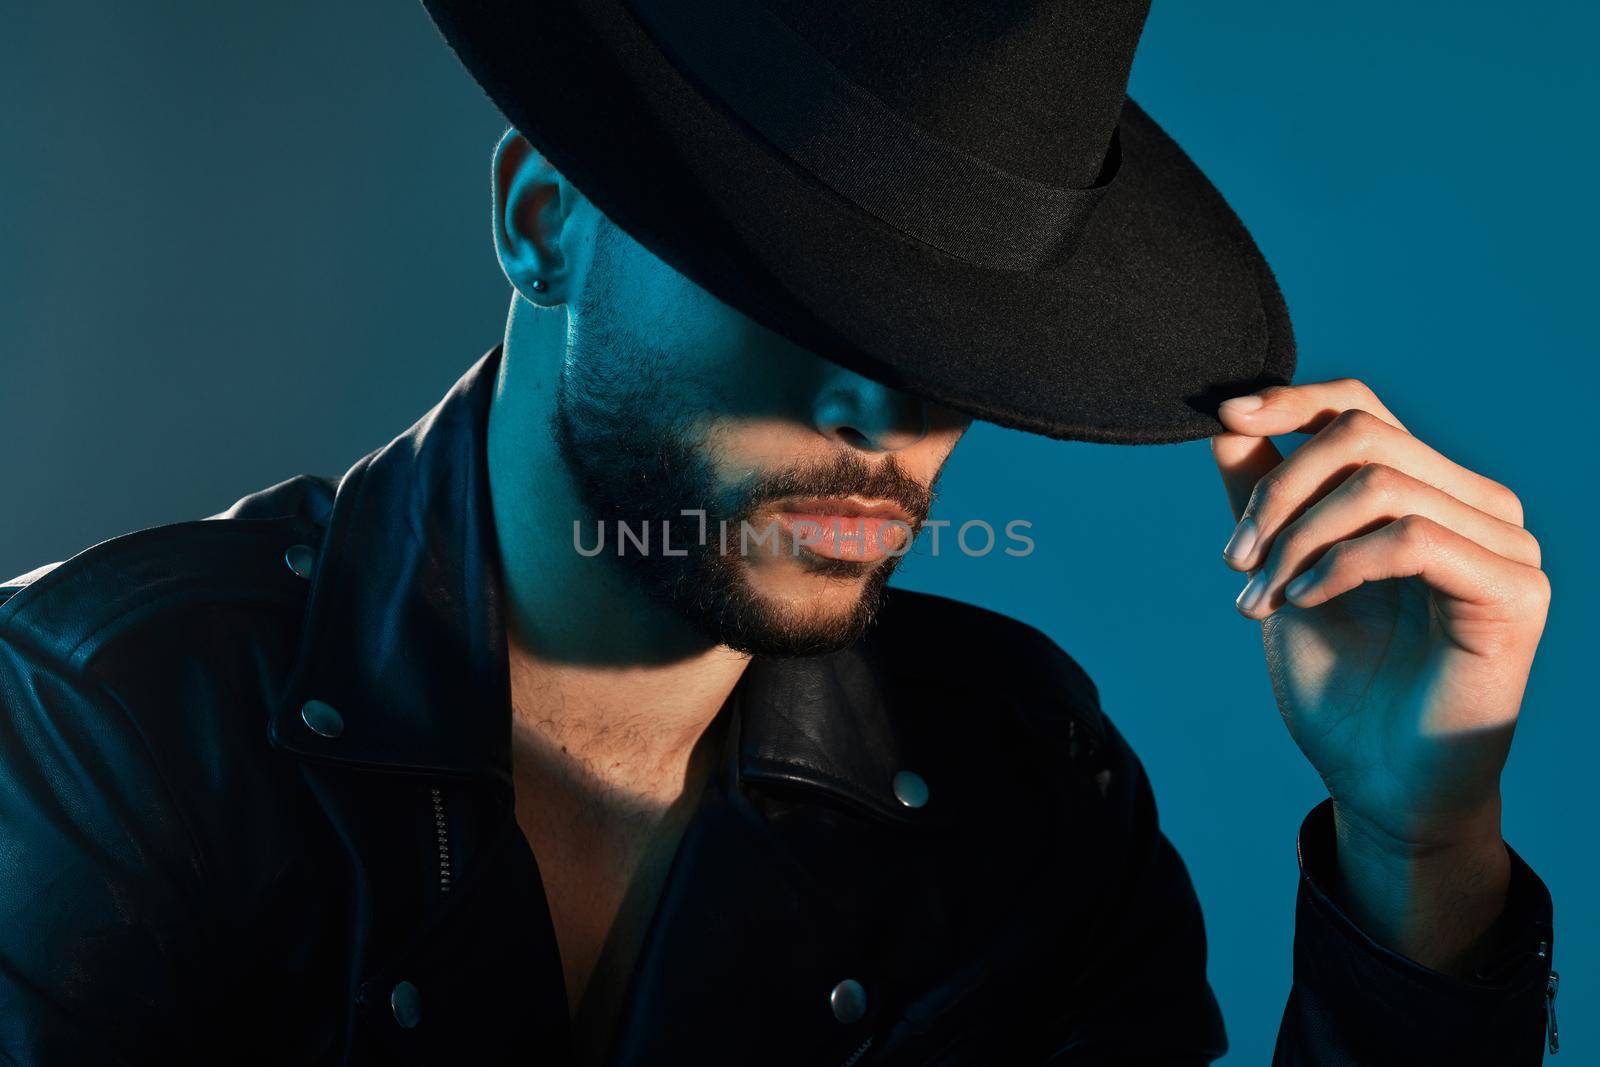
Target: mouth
[{"x": 846, "y": 528}]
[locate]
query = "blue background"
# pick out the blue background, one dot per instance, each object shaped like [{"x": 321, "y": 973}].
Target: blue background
[{"x": 244, "y": 241}]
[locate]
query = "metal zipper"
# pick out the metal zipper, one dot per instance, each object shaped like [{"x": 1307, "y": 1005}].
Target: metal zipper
[
  {"x": 855, "y": 1057},
  {"x": 1552, "y": 983},
  {"x": 441, "y": 836}
]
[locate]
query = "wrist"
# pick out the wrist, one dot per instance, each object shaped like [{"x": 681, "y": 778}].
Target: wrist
[
  {"x": 1432, "y": 893},
  {"x": 1418, "y": 842}
]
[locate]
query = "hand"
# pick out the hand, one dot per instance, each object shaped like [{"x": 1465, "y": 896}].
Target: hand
[{"x": 1401, "y": 602}]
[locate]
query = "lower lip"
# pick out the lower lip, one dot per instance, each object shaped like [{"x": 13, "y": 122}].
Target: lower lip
[{"x": 862, "y": 538}]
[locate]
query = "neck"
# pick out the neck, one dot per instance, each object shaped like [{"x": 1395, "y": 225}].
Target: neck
[{"x": 604, "y": 682}]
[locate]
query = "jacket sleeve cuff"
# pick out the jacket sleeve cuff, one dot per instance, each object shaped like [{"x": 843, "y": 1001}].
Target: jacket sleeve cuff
[{"x": 1355, "y": 1001}]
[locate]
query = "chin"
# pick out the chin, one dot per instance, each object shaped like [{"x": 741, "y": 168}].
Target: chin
[
  {"x": 791, "y": 610},
  {"x": 779, "y": 606},
  {"x": 799, "y": 588}
]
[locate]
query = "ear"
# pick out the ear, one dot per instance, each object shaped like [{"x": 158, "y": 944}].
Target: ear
[{"x": 532, "y": 207}]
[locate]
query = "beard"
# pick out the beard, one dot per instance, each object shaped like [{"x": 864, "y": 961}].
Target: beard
[{"x": 636, "y": 459}]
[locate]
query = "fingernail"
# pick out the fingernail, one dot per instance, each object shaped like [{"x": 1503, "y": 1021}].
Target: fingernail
[
  {"x": 1243, "y": 405},
  {"x": 1243, "y": 540},
  {"x": 1252, "y": 591}
]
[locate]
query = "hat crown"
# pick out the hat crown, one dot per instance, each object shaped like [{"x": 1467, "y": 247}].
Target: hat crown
[
  {"x": 1034, "y": 87},
  {"x": 954, "y": 197}
]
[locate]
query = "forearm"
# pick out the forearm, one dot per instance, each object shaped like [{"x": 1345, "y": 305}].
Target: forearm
[{"x": 1432, "y": 901}]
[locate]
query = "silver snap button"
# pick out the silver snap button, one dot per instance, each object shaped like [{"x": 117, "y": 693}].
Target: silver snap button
[
  {"x": 848, "y": 1001},
  {"x": 406, "y": 1003},
  {"x": 910, "y": 789},
  {"x": 301, "y": 559},
  {"x": 321, "y": 719}
]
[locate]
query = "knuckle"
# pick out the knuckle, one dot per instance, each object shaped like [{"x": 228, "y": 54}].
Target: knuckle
[
  {"x": 1358, "y": 387},
  {"x": 1290, "y": 544},
  {"x": 1265, "y": 492},
  {"x": 1347, "y": 418},
  {"x": 1527, "y": 594},
  {"x": 1541, "y": 583},
  {"x": 1511, "y": 502},
  {"x": 1378, "y": 481},
  {"x": 1364, "y": 420},
  {"x": 1355, "y": 427},
  {"x": 1296, "y": 544},
  {"x": 1416, "y": 531},
  {"x": 1534, "y": 551},
  {"x": 1537, "y": 588},
  {"x": 1337, "y": 557}
]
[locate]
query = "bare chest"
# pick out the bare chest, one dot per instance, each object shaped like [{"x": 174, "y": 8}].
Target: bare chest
[{"x": 603, "y": 864}]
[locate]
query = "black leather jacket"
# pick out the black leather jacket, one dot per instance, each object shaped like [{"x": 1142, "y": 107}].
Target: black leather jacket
[{"x": 256, "y": 806}]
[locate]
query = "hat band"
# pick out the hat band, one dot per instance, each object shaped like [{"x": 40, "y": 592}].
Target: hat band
[{"x": 851, "y": 141}]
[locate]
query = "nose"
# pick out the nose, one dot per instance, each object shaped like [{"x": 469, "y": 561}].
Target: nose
[{"x": 868, "y": 415}]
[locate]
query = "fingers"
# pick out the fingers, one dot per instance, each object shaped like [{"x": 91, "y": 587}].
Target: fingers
[
  {"x": 1301, "y": 408},
  {"x": 1361, "y": 480},
  {"x": 1351, "y": 440},
  {"x": 1244, "y": 454},
  {"x": 1476, "y": 584},
  {"x": 1371, "y": 498}
]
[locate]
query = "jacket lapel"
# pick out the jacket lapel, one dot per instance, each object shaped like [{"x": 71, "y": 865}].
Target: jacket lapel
[
  {"x": 800, "y": 868},
  {"x": 799, "y": 871},
  {"x": 404, "y": 634}
]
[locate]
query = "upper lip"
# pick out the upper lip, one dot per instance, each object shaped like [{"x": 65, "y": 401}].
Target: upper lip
[{"x": 846, "y": 506}]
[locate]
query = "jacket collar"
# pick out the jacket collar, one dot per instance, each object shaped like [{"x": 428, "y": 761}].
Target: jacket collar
[{"x": 404, "y": 636}]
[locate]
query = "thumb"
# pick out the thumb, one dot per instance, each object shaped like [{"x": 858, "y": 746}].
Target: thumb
[{"x": 1242, "y": 459}]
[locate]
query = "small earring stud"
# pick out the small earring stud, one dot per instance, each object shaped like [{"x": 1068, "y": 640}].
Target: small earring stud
[{"x": 539, "y": 285}]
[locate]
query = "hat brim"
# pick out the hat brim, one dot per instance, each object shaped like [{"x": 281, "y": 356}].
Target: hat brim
[{"x": 1165, "y": 309}]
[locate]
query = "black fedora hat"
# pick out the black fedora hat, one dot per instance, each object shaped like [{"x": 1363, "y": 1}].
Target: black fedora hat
[{"x": 954, "y": 197}]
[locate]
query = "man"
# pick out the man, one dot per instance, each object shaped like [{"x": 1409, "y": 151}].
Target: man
[{"x": 402, "y": 769}]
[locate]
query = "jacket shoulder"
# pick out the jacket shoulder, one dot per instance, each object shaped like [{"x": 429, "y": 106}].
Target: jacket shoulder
[
  {"x": 134, "y": 687},
  {"x": 956, "y": 645},
  {"x": 70, "y": 613}
]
